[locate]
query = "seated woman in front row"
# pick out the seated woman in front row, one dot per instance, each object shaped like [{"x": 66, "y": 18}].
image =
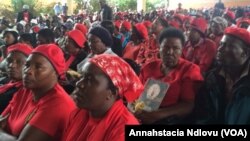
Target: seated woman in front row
[
  {"x": 106, "y": 80},
  {"x": 15, "y": 61},
  {"x": 40, "y": 111},
  {"x": 182, "y": 76}
]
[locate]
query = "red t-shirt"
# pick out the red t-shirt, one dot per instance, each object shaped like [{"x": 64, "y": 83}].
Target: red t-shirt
[
  {"x": 184, "y": 80},
  {"x": 83, "y": 127},
  {"x": 50, "y": 114},
  {"x": 131, "y": 51},
  {"x": 201, "y": 54}
]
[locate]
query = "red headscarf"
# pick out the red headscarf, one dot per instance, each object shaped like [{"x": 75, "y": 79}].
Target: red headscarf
[
  {"x": 54, "y": 54},
  {"x": 20, "y": 47},
  {"x": 142, "y": 30},
  {"x": 240, "y": 33},
  {"x": 121, "y": 74}
]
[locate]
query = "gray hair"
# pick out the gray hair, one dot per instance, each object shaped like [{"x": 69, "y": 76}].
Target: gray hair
[{"x": 221, "y": 21}]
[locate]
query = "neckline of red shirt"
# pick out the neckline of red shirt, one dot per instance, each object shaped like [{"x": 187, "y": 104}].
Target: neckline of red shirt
[{"x": 161, "y": 74}]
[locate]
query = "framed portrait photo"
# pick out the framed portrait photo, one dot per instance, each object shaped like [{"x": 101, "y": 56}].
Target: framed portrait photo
[{"x": 151, "y": 97}]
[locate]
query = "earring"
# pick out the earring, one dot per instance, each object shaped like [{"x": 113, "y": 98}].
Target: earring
[{"x": 243, "y": 55}]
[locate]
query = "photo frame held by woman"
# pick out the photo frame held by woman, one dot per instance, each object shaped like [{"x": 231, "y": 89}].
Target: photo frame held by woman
[{"x": 151, "y": 97}]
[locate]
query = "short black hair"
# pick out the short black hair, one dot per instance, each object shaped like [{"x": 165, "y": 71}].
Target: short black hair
[
  {"x": 14, "y": 33},
  {"x": 172, "y": 33},
  {"x": 47, "y": 34},
  {"x": 26, "y": 37}
]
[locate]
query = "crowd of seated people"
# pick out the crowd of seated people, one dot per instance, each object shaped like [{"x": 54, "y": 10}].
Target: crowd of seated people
[{"x": 74, "y": 79}]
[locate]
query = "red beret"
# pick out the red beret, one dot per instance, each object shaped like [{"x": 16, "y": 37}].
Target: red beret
[
  {"x": 78, "y": 37},
  {"x": 199, "y": 24},
  {"x": 117, "y": 23},
  {"x": 55, "y": 56},
  {"x": 81, "y": 28},
  {"x": 126, "y": 25},
  {"x": 20, "y": 47},
  {"x": 230, "y": 14},
  {"x": 240, "y": 33},
  {"x": 142, "y": 30},
  {"x": 148, "y": 24},
  {"x": 243, "y": 21}
]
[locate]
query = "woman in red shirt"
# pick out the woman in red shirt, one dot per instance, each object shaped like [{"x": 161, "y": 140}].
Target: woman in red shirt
[
  {"x": 138, "y": 37},
  {"x": 105, "y": 82},
  {"x": 150, "y": 52},
  {"x": 40, "y": 111},
  {"x": 74, "y": 48},
  {"x": 10, "y": 38},
  {"x": 181, "y": 75},
  {"x": 15, "y": 61},
  {"x": 199, "y": 49}
]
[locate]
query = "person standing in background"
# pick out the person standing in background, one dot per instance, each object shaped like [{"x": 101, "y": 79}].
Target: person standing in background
[
  {"x": 180, "y": 10},
  {"x": 65, "y": 9},
  {"x": 58, "y": 8},
  {"x": 219, "y": 5},
  {"x": 25, "y": 14},
  {"x": 106, "y": 12}
]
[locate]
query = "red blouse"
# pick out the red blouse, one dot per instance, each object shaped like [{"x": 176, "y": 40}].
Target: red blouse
[
  {"x": 50, "y": 114},
  {"x": 131, "y": 51},
  {"x": 149, "y": 52},
  {"x": 184, "y": 80},
  {"x": 83, "y": 127}
]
